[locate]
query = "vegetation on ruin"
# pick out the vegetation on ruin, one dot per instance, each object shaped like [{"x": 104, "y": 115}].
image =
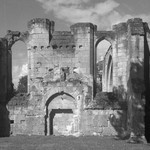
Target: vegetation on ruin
[
  {"x": 20, "y": 95},
  {"x": 22, "y": 85}
]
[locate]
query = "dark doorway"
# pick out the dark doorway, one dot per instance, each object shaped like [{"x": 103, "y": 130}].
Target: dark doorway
[{"x": 53, "y": 115}]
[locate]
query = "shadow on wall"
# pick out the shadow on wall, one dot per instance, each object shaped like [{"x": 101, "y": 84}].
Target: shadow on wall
[
  {"x": 147, "y": 83},
  {"x": 132, "y": 103},
  {"x": 4, "y": 121},
  {"x": 119, "y": 121},
  {"x": 4, "y": 113}
]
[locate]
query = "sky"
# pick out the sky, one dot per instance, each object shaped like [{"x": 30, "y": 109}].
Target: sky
[{"x": 14, "y": 15}]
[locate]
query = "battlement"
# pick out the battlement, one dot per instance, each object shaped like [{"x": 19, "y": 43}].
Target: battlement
[
  {"x": 135, "y": 20},
  {"x": 88, "y": 24},
  {"x": 136, "y": 26},
  {"x": 120, "y": 28},
  {"x": 82, "y": 26},
  {"x": 62, "y": 39},
  {"x": 41, "y": 23},
  {"x": 62, "y": 33}
]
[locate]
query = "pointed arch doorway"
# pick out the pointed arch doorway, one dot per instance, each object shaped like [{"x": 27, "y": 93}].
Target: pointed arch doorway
[{"x": 61, "y": 115}]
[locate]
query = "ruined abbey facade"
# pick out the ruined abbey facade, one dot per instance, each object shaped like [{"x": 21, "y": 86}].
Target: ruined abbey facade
[{"x": 63, "y": 75}]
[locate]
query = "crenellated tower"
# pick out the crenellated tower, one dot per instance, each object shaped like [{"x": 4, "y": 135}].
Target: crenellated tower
[{"x": 40, "y": 33}]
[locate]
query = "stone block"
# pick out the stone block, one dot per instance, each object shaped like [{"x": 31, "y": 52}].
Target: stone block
[{"x": 100, "y": 120}]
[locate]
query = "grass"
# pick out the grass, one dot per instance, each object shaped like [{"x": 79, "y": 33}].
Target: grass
[{"x": 24, "y": 142}]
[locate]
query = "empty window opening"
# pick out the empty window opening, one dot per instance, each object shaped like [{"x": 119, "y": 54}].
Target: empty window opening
[
  {"x": 80, "y": 46},
  {"x": 11, "y": 121},
  {"x": 19, "y": 66},
  {"x": 54, "y": 46},
  {"x": 101, "y": 50}
]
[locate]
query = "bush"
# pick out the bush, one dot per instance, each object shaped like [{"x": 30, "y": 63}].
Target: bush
[
  {"x": 22, "y": 86},
  {"x": 106, "y": 100}
]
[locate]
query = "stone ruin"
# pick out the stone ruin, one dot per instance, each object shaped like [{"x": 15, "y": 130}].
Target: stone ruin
[{"x": 62, "y": 80}]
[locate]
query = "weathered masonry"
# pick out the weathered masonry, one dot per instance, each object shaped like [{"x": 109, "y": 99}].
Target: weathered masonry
[{"x": 63, "y": 76}]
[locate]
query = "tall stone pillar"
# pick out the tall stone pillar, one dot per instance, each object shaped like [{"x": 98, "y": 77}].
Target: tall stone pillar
[
  {"x": 147, "y": 80},
  {"x": 4, "y": 88},
  {"x": 120, "y": 56},
  {"x": 84, "y": 56},
  {"x": 135, "y": 77},
  {"x": 40, "y": 33},
  {"x": 84, "y": 42}
]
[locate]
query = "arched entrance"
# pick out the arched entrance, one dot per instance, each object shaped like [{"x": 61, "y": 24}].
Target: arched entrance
[
  {"x": 61, "y": 118},
  {"x": 102, "y": 46}
]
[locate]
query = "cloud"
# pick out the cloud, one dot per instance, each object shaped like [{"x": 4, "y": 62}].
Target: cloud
[
  {"x": 24, "y": 70},
  {"x": 74, "y": 11},
  {"x": 19, "y": 71},
  {"x": 104, "y": 14}
]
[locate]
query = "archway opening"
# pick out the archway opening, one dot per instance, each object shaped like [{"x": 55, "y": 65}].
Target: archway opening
[
  {"x": 60, "y": 115},
  {"x": 101, "y": 49},
  {"x": 19, "y": 66}
]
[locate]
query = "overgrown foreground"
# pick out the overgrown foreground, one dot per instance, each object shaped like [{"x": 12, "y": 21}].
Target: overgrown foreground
[{"x": 21, "y": 142}]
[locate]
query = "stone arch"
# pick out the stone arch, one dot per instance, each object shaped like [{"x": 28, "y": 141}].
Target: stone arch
[
  {"x": 58, "y": 90},
  {"x": 14, "y": 36},
  {"x": 60, "y": 114},
  {"x": 61, "y": 103},
  {"x": 101, "y": 36},
  {"x": 57, "y": 94}
]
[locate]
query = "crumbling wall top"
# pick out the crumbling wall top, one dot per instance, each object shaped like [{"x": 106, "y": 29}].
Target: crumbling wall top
[
  {"x": 88, "y": 24},
  {"x": 133, "y": 26},
  {"x": 83, "y": 26},
  {"x": 3, "y": 42},
  {"x": 120, "y": 28},
  {"x": 136, "y": 26},
  {"x": 59, "y": 33},
  {"x": 40, "y": 22},
  {"x": 13, "y": 36},
  {"x": 62, "y": 39}
]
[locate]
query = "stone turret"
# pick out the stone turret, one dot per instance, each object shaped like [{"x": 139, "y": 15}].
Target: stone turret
[
  {"x": 40, "y": 33},
  {"x": 84, "y": 41},
  {"x": 40, "y": 30}
]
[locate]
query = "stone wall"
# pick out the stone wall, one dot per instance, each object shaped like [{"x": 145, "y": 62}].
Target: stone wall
[
  {"x": 65, "y": 117},
  {"x": 5, "y": 86},
  {"x": 62, "y": 77},
  {"x": 102, "y": 122}
]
